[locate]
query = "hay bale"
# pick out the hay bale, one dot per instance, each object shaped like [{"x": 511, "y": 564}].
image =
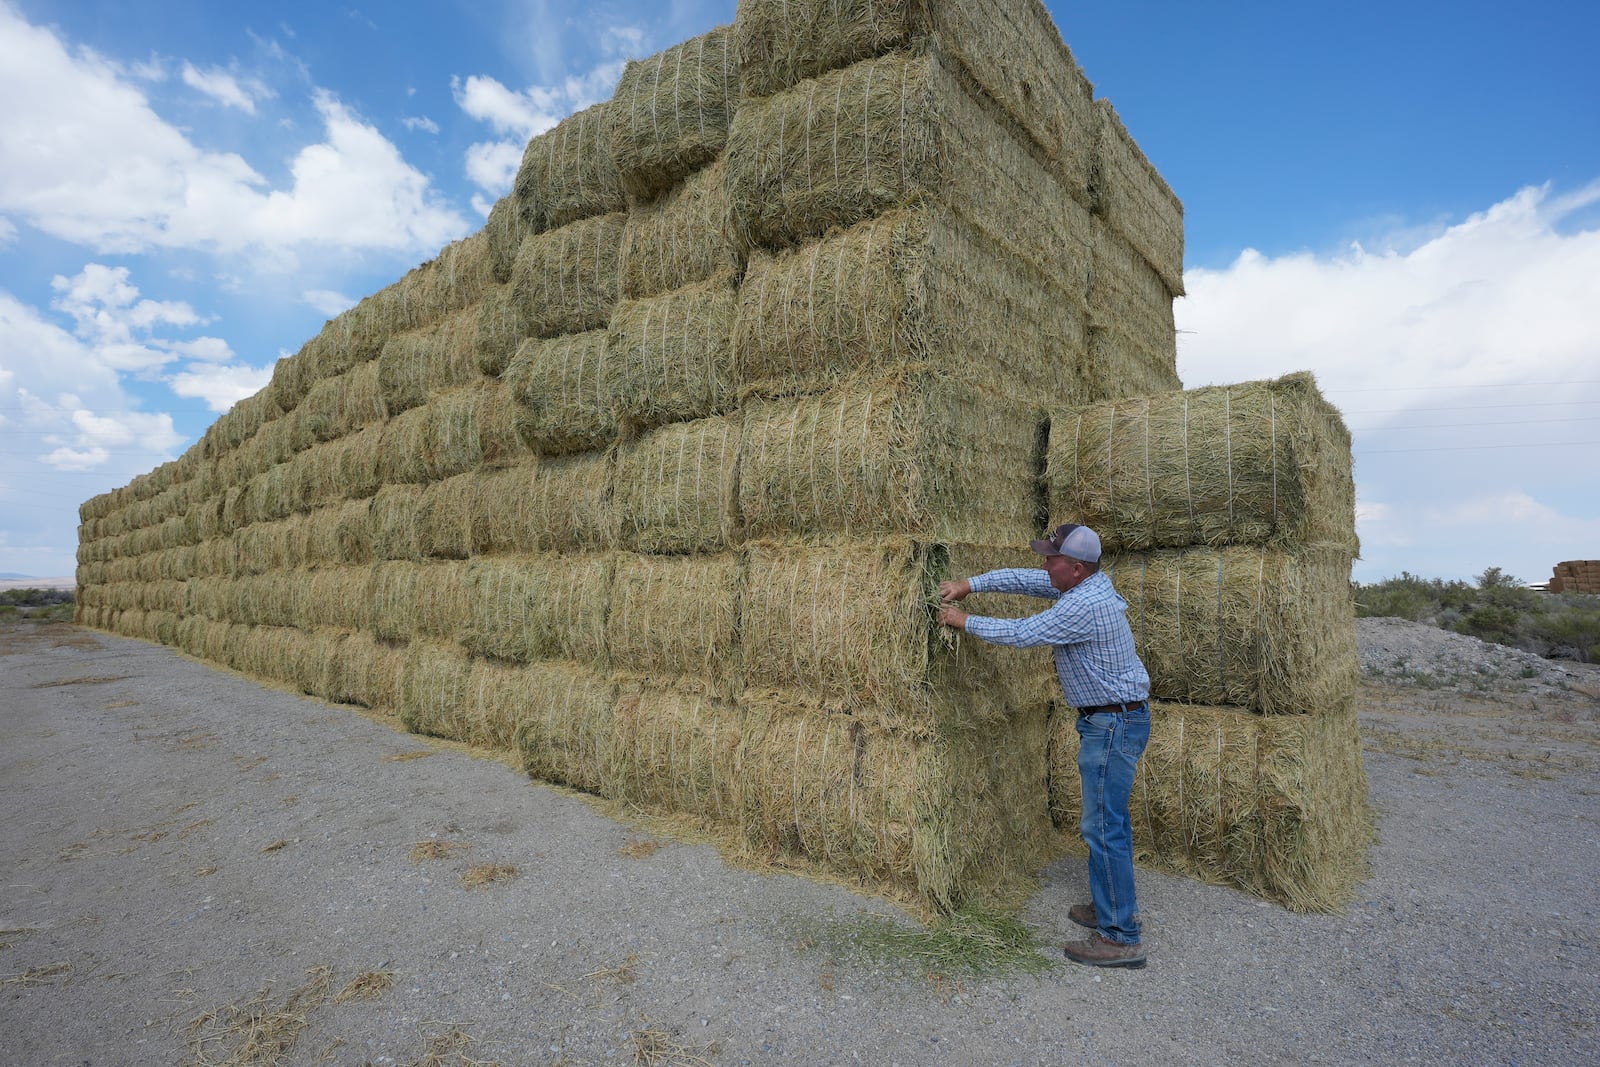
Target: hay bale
[
  {"x": 1011, "y": 48},
  {"x": 885, "y": 133},
  {"x": 568, "y": 733},
  {"x": 368, "y": 672},
  {"x": 560, "y": 388},
  {"x": 352, "y": 464},
  {"x": 1265, "y": 462},
  {"x": 1257, "y": 627},
  {"x": 274, "y": 598},
  {"x": 566, "y": 280},
  {"x": 568, "y": 173},
  {"x": 344, "y": 403},
  {"x": 554, "y": 505},
  {"x": 340, "y": 533},
  {"x": 449, "y": 522},
  {"x": 504, "y": 231},
  {"x": 1133, "y": 338},
  {"x": 1272, "y": 804},
  {"x": 675, "y": 488},
  {"x": 413, "y": 366},
  {"x": 435, "y": 695},
  {"x": 412, "y": 600},
  {"x": 394, "y": 522},
  {"x": 671, "y": 112},
  {"x": 502, "y": 327},
  {"x": 453, "y": 280},
  {"x": 669, "y": 357},
  {"x": 1135, "y": 201},
  {"x": 675, "y": 751},
  {"x": 914, "y": 285},
  {"x": 335, "y": 597},
  {"x": 676, "y": 616},
  {"x": 459, "y": 430},
  {"x": 267, "y": 546},
  {"x": 910, "y": 453},
  {"x": 527, "y": 608},
  {"x": 679, "y": 238}
]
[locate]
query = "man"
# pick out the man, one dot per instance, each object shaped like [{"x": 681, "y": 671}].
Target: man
[{"x": 1102, "y": 676}]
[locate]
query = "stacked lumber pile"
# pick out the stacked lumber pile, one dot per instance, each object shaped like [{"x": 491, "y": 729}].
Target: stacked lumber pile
[{"x": 1576, "y": 576}]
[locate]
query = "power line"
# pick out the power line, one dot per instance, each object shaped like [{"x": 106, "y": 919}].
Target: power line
[
  {"x": 1472, "y": 425},
  {"x": 1475, "y": 448},
  {"x": 1482, "y": 407},
  {"x": 1427, "y": 388}
]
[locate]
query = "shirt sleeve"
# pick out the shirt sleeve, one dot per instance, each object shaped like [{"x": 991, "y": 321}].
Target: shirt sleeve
[
  {"x": 1057, "y": 625},
  {"x": 1025, "y": 581}
]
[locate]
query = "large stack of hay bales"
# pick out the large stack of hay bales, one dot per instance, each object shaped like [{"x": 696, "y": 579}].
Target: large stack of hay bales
[
  {"x": 652, "y": 481},
  {"x": 1576, "y": 576},
  {"x": 1228, "y": 517}
]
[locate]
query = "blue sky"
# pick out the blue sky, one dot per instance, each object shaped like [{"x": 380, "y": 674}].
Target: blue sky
[{"x": 1404, "y": 199}]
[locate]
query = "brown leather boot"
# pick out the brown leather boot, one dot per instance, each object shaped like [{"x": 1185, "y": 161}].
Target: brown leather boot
[
  {"x": 1096, "y": 951},
  {"x": 1083, "y": 915}
]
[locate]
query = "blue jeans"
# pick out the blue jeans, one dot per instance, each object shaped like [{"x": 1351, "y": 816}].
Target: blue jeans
[{"x": 1109, "y": 746}]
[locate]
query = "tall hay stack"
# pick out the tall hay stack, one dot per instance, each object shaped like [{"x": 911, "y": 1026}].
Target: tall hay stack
[
  {"x": 1576, "y": 576},
  {"x": 653, "y": 480}
]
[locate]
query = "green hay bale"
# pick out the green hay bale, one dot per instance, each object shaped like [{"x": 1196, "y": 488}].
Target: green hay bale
[
  {"x": 554, "y": 505},
  {"x": 978, "y": 670},
  {"x": 504, "y": 232},
  {"x": 274, "y": 598},
  {"x": 449, "y": 524},
  {"x": 669, "y": 358},
  {"x": 502, "y": 327},
  {"x": 1011, "y": 48},
  {"x": 680, "y": 238},
  {"x": 340, "y": 533},
  {"x": 1133, "y": 340},
  {"x": 675, "y": 752},
  {"x": 676, "y": 616},
  {"x": 214, "y": 557},
  {"x": 675, "y": 489},
  {"x": 418, "y": 600},
  {"x": 1132, "y": 197},
  {"x": 671, "y": 112},
  {"x": 885, "y": 133},
  {"x": 268, "y": 546},
  {"x": 569, "y": 174},
  {"x": 568, "y": 733},
  {"x": 394, "y": 522},
  {"x": 335, "y": 597},
  {"x": 343, "y": 404},
  {"x": 368, "y": 672},
  {"x": 910, "y": 453},
  {"x": 560, "y": 388},
  {"x": 1264, "y": 462},
  {"x": 914, "y": 285},
  {"x": 457, "y": 431},
  {"x": 566, "y": 280},
  {"x": 435, "y": 692},
  {"x": 1257, "y": 627},
  {"x": 413, "y": 366},
  {"x": 354, "y": 463},
  {"x": 453, "y": 280},
  {"x": 1272, "y": 804},
  {"x": 527, "y": 608}
]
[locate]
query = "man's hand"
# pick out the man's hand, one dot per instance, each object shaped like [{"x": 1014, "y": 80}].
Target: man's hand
[
  {"x": 953, "y": 617},
  {"x": 951, "y": 591}
]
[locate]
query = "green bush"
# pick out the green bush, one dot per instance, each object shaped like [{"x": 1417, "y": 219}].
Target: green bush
[{"x": 1496, "y": 608}]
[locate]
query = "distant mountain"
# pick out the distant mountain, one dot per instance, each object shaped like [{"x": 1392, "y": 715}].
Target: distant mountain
[{"x": 7, "y": 576}]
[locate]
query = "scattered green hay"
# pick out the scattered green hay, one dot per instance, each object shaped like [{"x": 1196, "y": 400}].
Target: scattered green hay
[
  {"x": 670, "y": 113},
  {"x": 669, "y": 358},
  {"x": 1256, "y": 627},
  {"x": 526, "y": 608},
  {"x": 1135, "y": 200},
  {"x": 1264, "y": 462},
  {"x": 971, "y": 942},
  {"x": 885, "y": 133},
  {"x": 563, "y": 393},
  {"x": 638, "y": 850},
  {"x": 626, "y": 972},
  {"x": 1272, "y": 804},
  {"x": 38, "y": 975},
  {"x": 277, "y": 846},
  {"x": 655, "y": 1047},
  {"x": 569, "y": 173},
  {"x": 916, "y": 285},
  {"x": 676, "y": 616},
  {"x": 675, "y": 751},
  {"x": 680, "y": 238},
  {"x": 404, "y": 757},
  {"x": 674, "y": 489},
  {"x": 1011, "y": 48}
]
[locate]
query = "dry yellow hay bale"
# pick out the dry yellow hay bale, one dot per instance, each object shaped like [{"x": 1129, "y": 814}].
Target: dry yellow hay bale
[
  {"x": 367, "y": 671},
  {"x": 418, "y": 600},
  {"x": 266, "y": 546},
  {"x": 1273, "y": 804},
  {"x": 527, "y": 608},
  {"x": 676, "y": 615},
  {"x": 914, "y": 285},
  {"x": 477, "y": 702},
  {"x": 675, "y": 488},
  {"x": 339, "y": 533},
  {"x": 504, "y": 231},
  {"x": 415, "y": 365},
  {"x": 555, "y": 505},
  {"x": 887, "y": 132},
  {"x": 394, "y": 521},
  {"x": 1135, "y": 200},
  {"x": 909, "y": 453},
  {"x": 1011, "y": 48},
  {"x": 502, "y": 327},
  {"x": 449, "y": 523},
  {"x": 680, "y": 238},
  {"x": 457, "y": 431},
  {"x": 343, "y": 404},
  {"x": 1265, "y": 462},
  {"x": 670, "y": 113},
  {"x": 568, "y": 173},
  {"x": 272, "y": 495},
  {"x": 1133, "y": 347},
  {"x": 669, "y": 357},
  {"x": 335, "y": 597},
  {"x": 353, "y": 463},
  {"x": 560, "y": 388},
  {"x": 675, "y": 751},
  {"x": 568, "y": 733},
  {"x": 273, "y": 598},
  {"x": 454, "y": 279},
  {"x": 1258, "y": 627},
  {"x": 566, "y": 280}
]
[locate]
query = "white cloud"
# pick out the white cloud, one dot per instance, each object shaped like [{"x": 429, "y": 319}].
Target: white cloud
[
  {"x": 327, "y": 301},
  {"x": 493, "y": 165},
  {"x": 352, "y": 190},
  {"x": 8, "y": 231},
  {"x": 420, "y": 122},
  {"x": 208, "y": 349},
  {"x": 220, "y": 387},
  {"x": 224, "y": 88}
]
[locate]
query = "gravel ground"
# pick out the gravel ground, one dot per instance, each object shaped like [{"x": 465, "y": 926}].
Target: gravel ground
[{"x": 189, "y": 851}]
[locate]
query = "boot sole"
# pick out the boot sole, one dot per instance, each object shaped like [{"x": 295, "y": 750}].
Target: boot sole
[{"x": 1132, "y": 965}]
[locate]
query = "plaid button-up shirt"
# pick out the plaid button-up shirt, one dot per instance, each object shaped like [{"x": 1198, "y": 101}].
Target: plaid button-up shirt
[{"x": 1087, "y": 627}]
